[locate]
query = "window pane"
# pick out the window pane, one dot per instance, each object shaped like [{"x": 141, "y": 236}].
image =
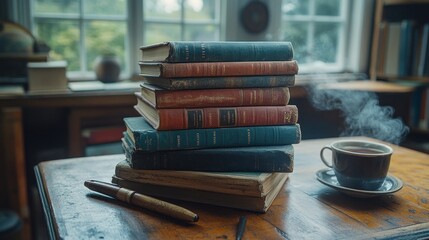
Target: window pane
[
  {"x": 295, "y": 7},
  {"x": 105, "y": 37},
  {"x": 328, "y": 7},
  {"x": 105, "y": 7},
  {"x": 200, "y": 9},
  {"x": 296, "y": 33},
  {"x": 56, "y": 6},
  {"x": 62, "y": 36},
  {"x": 201, "y": 33},
  {"x": 158, "y": 32},
  {"x": 162, "y": 9},
  {"x": 325, "y": 42}
]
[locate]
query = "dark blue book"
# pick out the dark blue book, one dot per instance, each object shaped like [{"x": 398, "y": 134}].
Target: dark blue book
[
  {"x": 216, "y": 51},
  {"x": 242, "y": 159},
  {"x": 406, "y": 47},
  {"x": 146, "y": 138}
]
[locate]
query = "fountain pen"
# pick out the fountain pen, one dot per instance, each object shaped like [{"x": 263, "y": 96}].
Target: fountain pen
[{"x": 132, "y": 197}]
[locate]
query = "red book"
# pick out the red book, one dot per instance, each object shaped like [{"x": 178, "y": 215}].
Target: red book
[
  {"x": 217, "y": 117},
  {"x": 103, "y": 134},
  {"x": 161, "y": 98},
  {"x": 211, "y": 69}
]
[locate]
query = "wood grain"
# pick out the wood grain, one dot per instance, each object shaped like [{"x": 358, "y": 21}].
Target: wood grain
[{"x": 304, "y": 209}]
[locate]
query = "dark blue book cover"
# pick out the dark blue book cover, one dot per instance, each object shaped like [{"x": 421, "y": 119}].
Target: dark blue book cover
[
  {"x": 242, "y": 159},
  {"x": 406, "y": 46},
  {"x": 146, "y": 138},
  {"x": 217, "y": 51}
]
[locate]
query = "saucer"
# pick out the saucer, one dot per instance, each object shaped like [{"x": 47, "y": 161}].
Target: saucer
[{"x": 391, "y": 184}]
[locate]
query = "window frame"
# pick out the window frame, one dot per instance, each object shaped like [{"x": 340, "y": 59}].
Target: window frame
[{"x": 356, "y": 37}]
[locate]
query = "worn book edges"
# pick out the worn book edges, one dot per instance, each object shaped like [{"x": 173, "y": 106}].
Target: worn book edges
[
  {"x": 222, "y": 82},
  {"x": 255, "y": 184},
  {"x": 243, "y": 159},
  {"x": 162, "y": 98},
  {"x": 217, "y": 51},
  {"x": 217, "y": 69},
  {"x": 146, "y": 138},
  {"x": 215, "y": 117},
  {"x": 256, "y": 204}
]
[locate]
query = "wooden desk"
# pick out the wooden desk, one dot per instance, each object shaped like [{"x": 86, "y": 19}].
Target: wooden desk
[
  {"x": 14, "y": 160},
  {"x": 305, "y": 209}
]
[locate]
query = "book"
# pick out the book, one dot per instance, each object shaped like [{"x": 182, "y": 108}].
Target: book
[
  {"x": 217, "y": 51},
  {"x": 98, "y": 135},
  {"x": 146, "y": 138},
  {"x": 256, "y": 204},
  {"x": 215, "y": 117},
  {"x": 47, "y": 77},
  {"x": 214, "y": 69},
  {"x": 392, "y": 52},
  {"x": 406, "y": 46},
  {"x": 222, "y": 82},
  {"x": 243, "y": 159},
  {"x": 255, "y": 184},
  {"x": 161, "y": 98},
  {"x": 423, "y": 66}
]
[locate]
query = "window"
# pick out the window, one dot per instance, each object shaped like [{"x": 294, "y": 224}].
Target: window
[
  {"x": 80, "y": 30},
  {"x": 318, "y": 30}
]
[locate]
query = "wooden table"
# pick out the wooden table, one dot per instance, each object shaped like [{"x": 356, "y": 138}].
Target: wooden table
[{"x": 305, "y": 209}]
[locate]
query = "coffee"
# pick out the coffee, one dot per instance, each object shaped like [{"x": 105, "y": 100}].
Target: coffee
[
  {"x": 359, "y": 164},
  {"x": 362, "y": 150}
]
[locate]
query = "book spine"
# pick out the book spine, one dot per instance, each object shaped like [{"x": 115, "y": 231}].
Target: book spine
[
  {"x": 252, "y": 159},
  {"x": 231, "y": 52},
  {"x": 406, "y": 47},
  {"x": 152, "y": 140},
  {"x": 222, "y": 97},
  {"x": 224, "y": 82},
  {"x": 175, "y": 119},
  {"x": 227, "y": 69}
]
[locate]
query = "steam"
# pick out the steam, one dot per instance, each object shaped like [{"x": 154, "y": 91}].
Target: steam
[{"x": 362, "y": 113}]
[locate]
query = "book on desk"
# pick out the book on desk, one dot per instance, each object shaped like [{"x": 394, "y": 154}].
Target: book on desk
[{"x": 243, "y": 164}]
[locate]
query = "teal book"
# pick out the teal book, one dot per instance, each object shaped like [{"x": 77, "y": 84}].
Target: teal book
[
  {"x": 216, "y": 51},
  {"x": 222, "y": 82},
  {"x": 146, "y": 138},
  {"x": 242, "y": 159}
]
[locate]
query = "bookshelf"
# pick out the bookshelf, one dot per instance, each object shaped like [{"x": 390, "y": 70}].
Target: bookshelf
[{"x": 400, "y": 53}]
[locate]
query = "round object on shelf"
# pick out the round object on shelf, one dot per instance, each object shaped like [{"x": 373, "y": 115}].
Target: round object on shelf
[{"x": 254, "y": 17}]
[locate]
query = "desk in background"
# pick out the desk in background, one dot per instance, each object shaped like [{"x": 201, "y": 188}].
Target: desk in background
[{"x": 304, "y": 209}]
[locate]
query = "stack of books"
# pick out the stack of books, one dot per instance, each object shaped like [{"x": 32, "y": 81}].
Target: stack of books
[{"x": 216, "y": 126}]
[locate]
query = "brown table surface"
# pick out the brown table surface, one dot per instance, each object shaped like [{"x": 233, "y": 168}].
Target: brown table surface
[{"x": 304, "y": 209}]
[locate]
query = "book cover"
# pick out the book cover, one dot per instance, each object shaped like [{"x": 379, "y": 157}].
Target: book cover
[
  {"x": 216, "y": 117},
  {"x": 217, "y": 51},
  {"x": 406, "y": 46},
  {"x": 222, "y": 82},
  {"x": 146, "y": 138},
  {"x": 244, "y": 159},
  {"x": 392, "y": 49},
  {"x": 423, "y": 66},
  {"x": 256, "y": 204},
  {"x": 255, "y": 184},
  {"x": 212, "y": 69},
  {"x": 162, "y": 98}
]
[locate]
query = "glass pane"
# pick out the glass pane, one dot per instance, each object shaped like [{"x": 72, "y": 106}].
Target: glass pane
[
  {"x": 201, "y": 33},
  {"x": 162, "y": 9},
  {"x": 296, "y": 33},
  {"x": 158, "y": 32},
  {"x": 325, "y": 45},
  {"x": 105, "y": 7},
  {"x": 62, "y": 36},
  {"x": 200, "y": 9},
  {"x": 105, "y": 38},
  {"x": 295, "y": 7},
  {"x": 328, "y": 7},
  {"x": 56, "y": 6}
]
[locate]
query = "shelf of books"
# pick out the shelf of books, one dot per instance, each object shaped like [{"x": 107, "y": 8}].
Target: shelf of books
[
  {"x": 216, "y": 126},
  {"x": 401, "y": 52}
]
